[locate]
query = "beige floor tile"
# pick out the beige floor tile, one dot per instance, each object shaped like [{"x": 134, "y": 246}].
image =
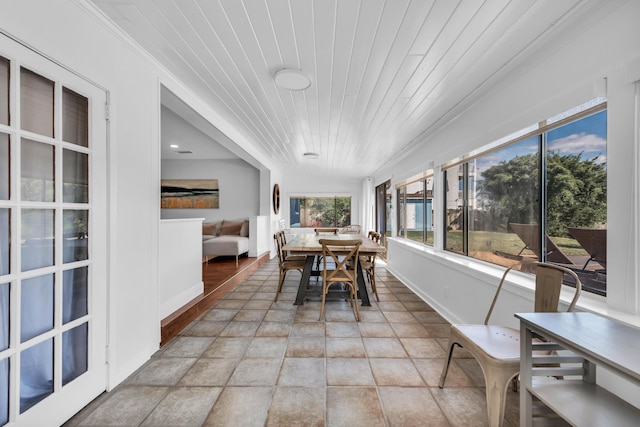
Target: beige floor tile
[
  {"x": 411, "y": 406},
  {"x": 437, "y": 330},
  {"x": 308, "y": 329},
  {"x": 302, "y": 372},
  {"x": 188, "y": 347},
  {"x": 346, "y": 314},
  {"x": 258, "y": 304},
  {"x": 345, "y": 347},
  {"x": 297, "y": 406},
  {"x": 431, "y": 370},
  {"x": 267, "y": 347},
  {"x": 392, "y": 306},
  {"x": 274, "y": 329},
  {"x": 429, "y": 317},
  {"x": 349, "y": 372},
  {"x": 241, "y": 406},
  {"x": 396, "y": 372},
  {"x": 399, "y": 317},
  {"x": 209, "y": 372},
  {"x": 127, "y": 406},
  {"x": 220, "y": 315},
  {"x": 423, "y": 348},
  {"x": 376, "y": 330},
  {"x": 305, "y": 347},
  {"x": 183, "y": 406},
  {"x": 206, "y": 328},
  {"x": 245, "y": 315},
  {"x": 342, "y": 329},
  {"x": 354, "y": 406},
  {"x": 256, "y": 372},
  {"x": 162, "y": 371},
  {"x": 228, "y": 347},
  {"x": 240, "y": 329},
  {"x": 463, "y": 406},
  {"x": 384, "y": 347},
  {"x": 283, "y": 316},
  {"x": 371, "y": 317},
  {"x": 410, "y": 330},
  {"x": 229, "y": 304}
]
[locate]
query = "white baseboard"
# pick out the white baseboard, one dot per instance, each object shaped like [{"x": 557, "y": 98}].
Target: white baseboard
[{"x": 168, "y": 307}]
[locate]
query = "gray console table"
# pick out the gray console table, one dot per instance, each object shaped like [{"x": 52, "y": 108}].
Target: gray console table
[{"x": 559, "y": 355}]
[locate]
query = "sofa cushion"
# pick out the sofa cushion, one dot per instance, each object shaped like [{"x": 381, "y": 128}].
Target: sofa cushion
[
  {"x": 211, "y": 228},
  {"x": 230, "y": 228},
  {"x": 225, "y": 245},
  {"x": 244, "y": 230},
  {"x": 208, "y": 237}
]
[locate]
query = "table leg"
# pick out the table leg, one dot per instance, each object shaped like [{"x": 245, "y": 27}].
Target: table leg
[
  {"x": 304, "y": 280},
  {"x": 362, "y": 288}
]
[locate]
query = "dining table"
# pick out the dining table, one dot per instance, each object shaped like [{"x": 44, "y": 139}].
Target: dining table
[{"x": 308, "y": 244}]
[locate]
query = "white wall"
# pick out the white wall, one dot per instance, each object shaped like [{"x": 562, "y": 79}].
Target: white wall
[
  {"x": 238, "y": 181},
  {"x": 180, "y": 263},
  {"x": 569, "y": 72}
]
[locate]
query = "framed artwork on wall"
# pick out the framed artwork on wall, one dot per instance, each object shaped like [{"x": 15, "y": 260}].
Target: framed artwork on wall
[{"x": 189, "y": 194}]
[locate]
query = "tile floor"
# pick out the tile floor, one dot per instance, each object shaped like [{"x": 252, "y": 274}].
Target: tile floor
[{"x": 249, "y": 361}]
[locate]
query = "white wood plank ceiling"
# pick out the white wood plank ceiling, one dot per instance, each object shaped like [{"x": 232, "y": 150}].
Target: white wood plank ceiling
[{"x": 384, "y": 73}]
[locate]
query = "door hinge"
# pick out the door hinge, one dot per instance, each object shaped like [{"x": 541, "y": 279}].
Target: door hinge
[{"x": 107, "y": 112}]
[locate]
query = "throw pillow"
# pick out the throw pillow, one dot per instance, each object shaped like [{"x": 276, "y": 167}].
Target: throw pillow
[
  {"x": 244, "y": 230},
  {"x": 210, "y": 228},
  {"x": 230, "y": 228}
]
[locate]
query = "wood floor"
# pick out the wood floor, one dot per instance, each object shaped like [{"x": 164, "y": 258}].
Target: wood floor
[{"x": 220, "y": 275}]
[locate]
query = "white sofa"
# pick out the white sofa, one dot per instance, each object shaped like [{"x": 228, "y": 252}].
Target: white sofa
[{"x": 225, "y": 238}]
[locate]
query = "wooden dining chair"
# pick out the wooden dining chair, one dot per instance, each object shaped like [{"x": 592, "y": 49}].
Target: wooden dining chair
[
  {"x": 344, "y": 254},
  {"x": 497, "y": 348},
  {"x": 288, "y": 256},
  {"x": 351, "y": 229},
  {"x": 368, "y": 264},
  {"x": 285, "y": 265}
]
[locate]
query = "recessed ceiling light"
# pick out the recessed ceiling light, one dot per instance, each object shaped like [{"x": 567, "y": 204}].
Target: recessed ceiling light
[
  {"x": 292, "y": 79},
  {"x": 174, "y": 146},
  {"x": 311, "y": 155}
]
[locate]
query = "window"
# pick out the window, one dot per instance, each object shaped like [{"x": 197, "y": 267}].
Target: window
[
  {"x": 330, "y": 211},
  {"x": 541, "y": 196},
  {"x": 415, "y": 210}
]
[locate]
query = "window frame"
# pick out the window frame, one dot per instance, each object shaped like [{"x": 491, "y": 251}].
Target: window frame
[{"x": 540, "y": 132}]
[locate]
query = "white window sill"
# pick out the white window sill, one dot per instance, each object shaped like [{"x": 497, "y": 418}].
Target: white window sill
[{"x": 519, "y": 283}]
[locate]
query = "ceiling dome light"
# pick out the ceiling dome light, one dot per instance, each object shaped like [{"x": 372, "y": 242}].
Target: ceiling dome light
[
  {"x": 292, "y": 79},
  {"x": 311, "y": 156}
]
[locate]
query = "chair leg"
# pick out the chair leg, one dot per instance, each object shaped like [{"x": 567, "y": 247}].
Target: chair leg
[
  {"x": 497, "y": 383},
  {"x": 354, "y": 297},
  {"x": 325, "y": 289},
  {"x": 445, "y": 368},
  {"x": 280, "y": 283}
]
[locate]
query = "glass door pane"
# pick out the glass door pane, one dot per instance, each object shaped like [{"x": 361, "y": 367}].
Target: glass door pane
[
  {"x": 4, "y": 91},
  {"x": 5, "y": 153},
  {"x": 75, "y": 114},
  {"x": 37, "y": 238},
  {"x": 36, "y": 103},
  {"x": 37, "y": 177}
]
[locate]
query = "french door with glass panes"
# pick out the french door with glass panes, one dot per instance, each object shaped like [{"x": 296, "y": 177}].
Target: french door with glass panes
[{"x": 52, "y": 239}]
